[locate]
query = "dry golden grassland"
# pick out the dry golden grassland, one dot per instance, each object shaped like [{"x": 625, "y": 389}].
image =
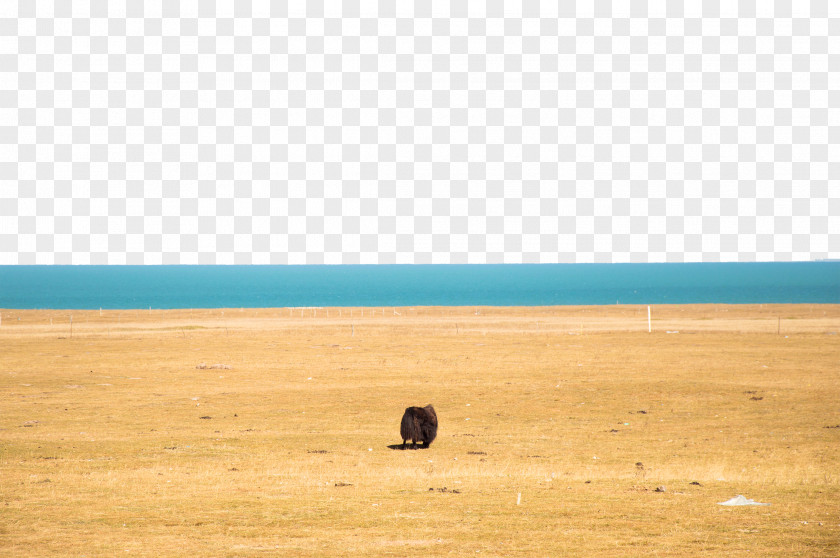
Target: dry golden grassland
[{"x": 557, "y": 426}]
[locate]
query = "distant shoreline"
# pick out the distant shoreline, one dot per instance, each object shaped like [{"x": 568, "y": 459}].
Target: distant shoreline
[
  {"x": 454, "y": 308},
  {"x": 551, "y": 321}
]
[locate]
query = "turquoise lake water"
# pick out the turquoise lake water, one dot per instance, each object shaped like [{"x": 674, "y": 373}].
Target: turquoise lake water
[{"x": 92, "y": 287}]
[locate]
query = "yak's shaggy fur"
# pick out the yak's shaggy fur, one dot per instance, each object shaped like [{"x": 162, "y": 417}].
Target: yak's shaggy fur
[{"x": 419, "y": 424}]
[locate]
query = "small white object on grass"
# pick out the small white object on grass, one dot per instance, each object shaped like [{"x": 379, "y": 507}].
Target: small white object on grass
[{"x": 741, "y": 501}]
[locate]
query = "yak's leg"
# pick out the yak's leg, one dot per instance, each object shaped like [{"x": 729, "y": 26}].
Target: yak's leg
[{"x": 404, "y": 442}]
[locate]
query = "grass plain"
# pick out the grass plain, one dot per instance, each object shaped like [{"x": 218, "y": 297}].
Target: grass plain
[{"x": 120, "y": 435}]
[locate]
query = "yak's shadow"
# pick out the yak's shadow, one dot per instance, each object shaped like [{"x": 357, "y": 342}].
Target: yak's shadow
[{"x": 407, "y": 447}]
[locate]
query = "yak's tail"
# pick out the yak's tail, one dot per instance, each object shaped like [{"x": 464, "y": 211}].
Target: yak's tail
[{"x": 410, "y": 427}]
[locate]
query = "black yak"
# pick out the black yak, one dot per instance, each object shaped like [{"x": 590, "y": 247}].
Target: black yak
[{"x": 419, "y": 424}]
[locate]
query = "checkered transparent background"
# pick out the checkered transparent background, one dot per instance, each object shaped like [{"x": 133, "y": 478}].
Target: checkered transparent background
[{"x": 418, "y": 132}]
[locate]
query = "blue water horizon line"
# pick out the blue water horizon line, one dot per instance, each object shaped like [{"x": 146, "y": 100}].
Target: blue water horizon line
[{"x": 399, "y": 285}]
